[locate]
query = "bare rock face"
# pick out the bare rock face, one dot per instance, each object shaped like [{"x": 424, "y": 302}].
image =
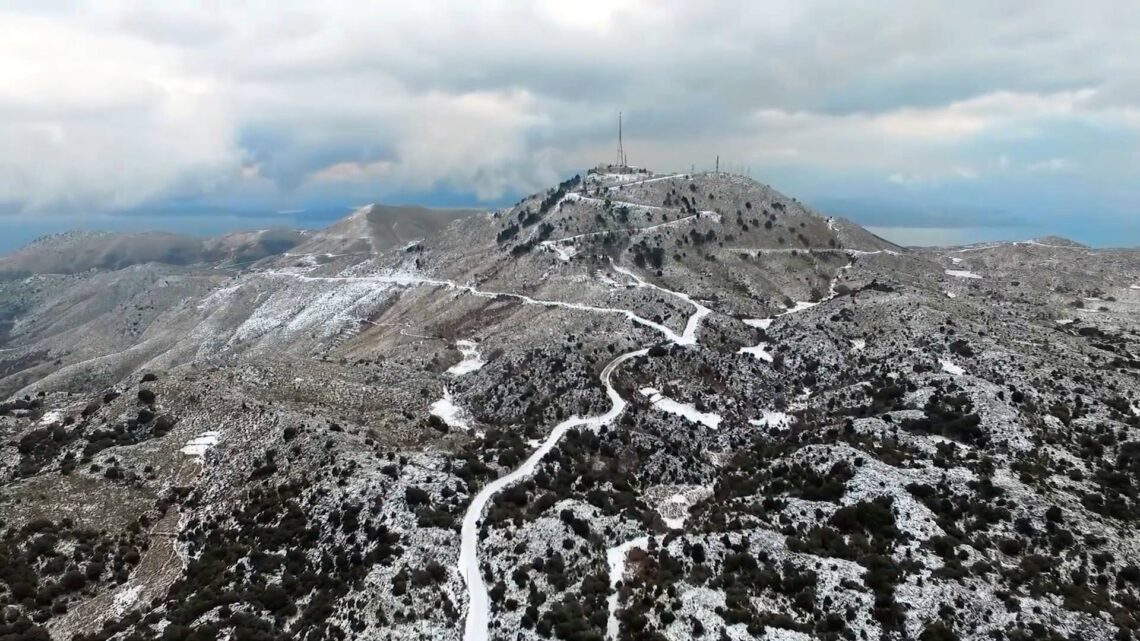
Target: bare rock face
[{"x": 634, "y": 406}]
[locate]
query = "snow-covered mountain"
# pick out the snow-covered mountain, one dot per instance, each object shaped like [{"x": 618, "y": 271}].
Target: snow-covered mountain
[{"x": 634, "y": 406}]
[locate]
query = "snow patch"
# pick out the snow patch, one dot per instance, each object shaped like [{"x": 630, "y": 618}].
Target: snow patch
[
  {"x": 951, "y": 368},
  {"x": 759, "y": 323},
  {"x": 962, "y": 273},
  {"x": 565, "y": 251},
  {"x": 54, "y": 416},
  {"x": 690, "y": 413},
  {"x": 446, "y": 409},
  {"x": 799, "y": 307},
  {"x": 616, "y": 558},
  {"x": 198, "y": 445},
  {"x": 126, "y": 599},
  {"x": 771, "y": 418},
  {"x": 783, "y": 634},
  {"x": 472, "y": 360},
  {"x": 858, "y": 344},
  {"x": 673, "y": 502},
  {"x": 759, "y": 351}
]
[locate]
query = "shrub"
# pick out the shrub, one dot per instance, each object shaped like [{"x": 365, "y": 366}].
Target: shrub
[{"x": 415, "y": 496}]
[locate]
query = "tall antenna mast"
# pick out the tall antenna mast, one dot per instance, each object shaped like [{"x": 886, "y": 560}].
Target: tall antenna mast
[{"x": 621, "y": 151}]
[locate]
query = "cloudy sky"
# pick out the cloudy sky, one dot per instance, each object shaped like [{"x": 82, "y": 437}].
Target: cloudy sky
[{"x": 939, "y": 119}]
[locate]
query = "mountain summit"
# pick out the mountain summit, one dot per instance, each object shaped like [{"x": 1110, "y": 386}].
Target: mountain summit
[{"x": 633, "y": 406}]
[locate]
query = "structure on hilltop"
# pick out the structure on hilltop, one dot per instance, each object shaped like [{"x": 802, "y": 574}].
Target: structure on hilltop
[{"x": 622, "y": 159}]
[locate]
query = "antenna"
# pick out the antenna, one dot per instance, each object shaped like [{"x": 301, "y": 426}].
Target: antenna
[{"x": 621, "y": 151}]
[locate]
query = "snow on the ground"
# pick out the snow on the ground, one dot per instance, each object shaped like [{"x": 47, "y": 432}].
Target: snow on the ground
[
  {"x": 616, "y": 559},
  {"x": 621, "y": 178},
  {"x": 951, "y": 295},
  {"x": 800, "y": 306},
  {"x": 309, "y": 307},
  {"x": 565, "y": 251},
  {"x": 783, "y": 634},
  {"x": 771, "y": 418},
  {"x": 676, "y": 503},
  {"x": 962, "y": 273},
  {"x": 673, "y": 502},
  {"x": 446, "y": 409},
  {"x": 53, "y": 416},
  {"x": 801, "y": 400},
  {"x": 689, "y": 336},
  {"x": 126, "y": 599},
  {"x": 858, "y": 344},
  {"x": 471, "y": 362},
  {"x": 759, "y": 323},
  {"x": 1065, "y": 321},
  {"x": 692, "y": 414},
  {"x": 643, "y": 181},
  {"x": 951, "y": 368},
  {"x": 876, "y": 478},
  {"x": 759, "y": 351},
  {"x": 955, "y": 260},
  {"x": 1134, "y": 286},
  {"x": 198, "y": 445},
  {"x": 610, "y": 282},
  {"x": 406, "y": 279},
  {"x": 479, "y": 607}
]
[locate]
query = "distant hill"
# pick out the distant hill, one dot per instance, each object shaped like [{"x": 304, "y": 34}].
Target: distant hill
[
  {"x": 1058, "y": 241},
  {"x": 370, "y": 229},
  {"x": 375, "y": 228},
  {"x": 75, "y": 252}
]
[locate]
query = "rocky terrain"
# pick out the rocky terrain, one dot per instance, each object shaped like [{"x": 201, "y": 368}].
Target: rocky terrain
[{"x": 634, "y": 406}]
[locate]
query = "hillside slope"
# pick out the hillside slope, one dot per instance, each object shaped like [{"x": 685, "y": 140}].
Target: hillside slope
[
  {"x": 76, "y": 252},
  {"x": 377, "y": 227},
  {"x": 633, "y": 406}
]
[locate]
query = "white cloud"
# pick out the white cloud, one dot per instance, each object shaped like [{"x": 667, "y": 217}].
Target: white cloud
[
  {"x": 1051, "y": 165},
  {"x": 87, "y": 117},
  {"x": 352, "y": 172},
  {"x": 116, "y": 103}
]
